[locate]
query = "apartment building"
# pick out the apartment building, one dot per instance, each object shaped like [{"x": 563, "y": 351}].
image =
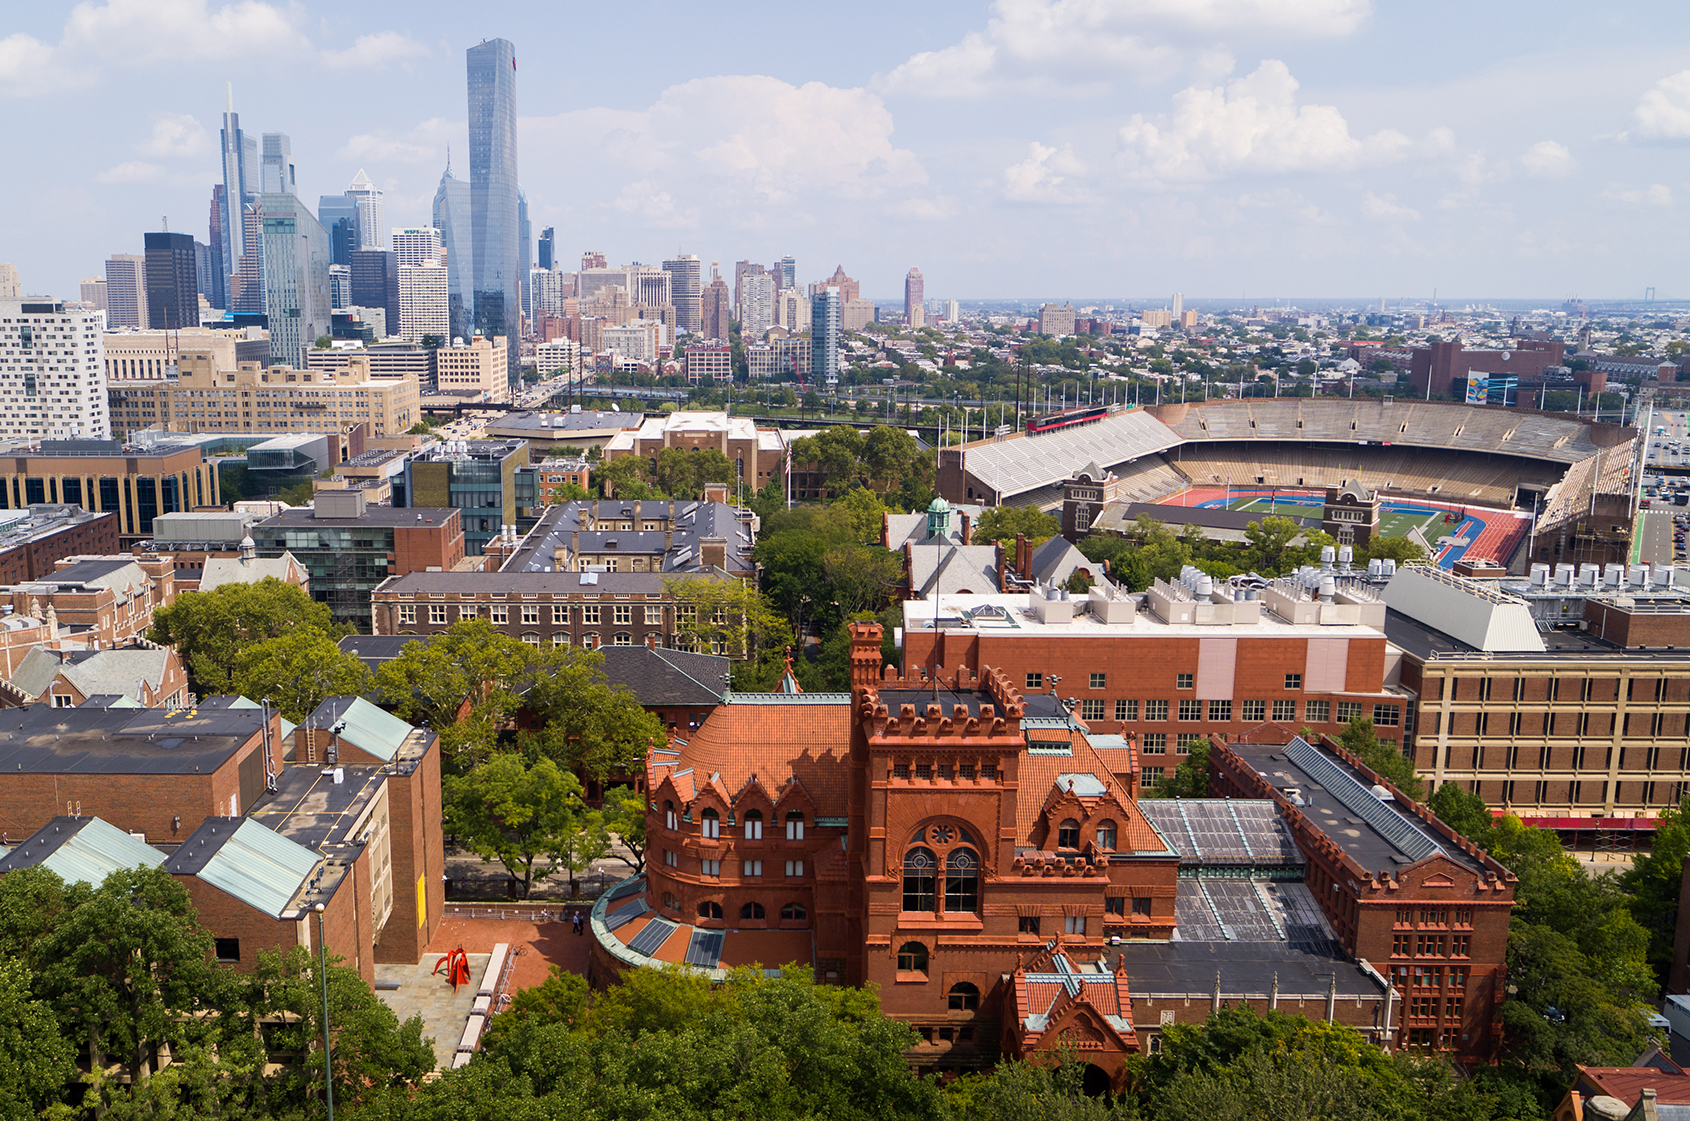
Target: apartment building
[
  {"x": 477, "y": 368},
  {"x": 52, "y": 371}
]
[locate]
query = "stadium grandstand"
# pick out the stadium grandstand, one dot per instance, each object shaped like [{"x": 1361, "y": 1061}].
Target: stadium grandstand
[{"x": 1571, "y": 472}]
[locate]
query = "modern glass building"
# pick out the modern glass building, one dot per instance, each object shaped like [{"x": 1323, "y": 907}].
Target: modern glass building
[
  {"x": 296, "y": 279},
  {"x": 240, "y": 159},
  {"x": 278, "y": 175},
  {"x": 824, "y": 336},
  {"x": 173, "y": 294},
  {"x": 495, "y": 219},
  {"x": 451, "y": 218},
  {"x": 339, "y": 216},
  {"x": 477, "y": 477},
  {"x": 686, "y": 289}
]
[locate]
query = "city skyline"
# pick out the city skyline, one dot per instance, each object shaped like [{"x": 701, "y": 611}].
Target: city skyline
[{"x": 1246, "y": 156}]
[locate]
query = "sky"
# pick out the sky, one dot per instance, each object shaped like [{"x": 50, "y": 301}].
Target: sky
[{"x": 1097, "y": 150}]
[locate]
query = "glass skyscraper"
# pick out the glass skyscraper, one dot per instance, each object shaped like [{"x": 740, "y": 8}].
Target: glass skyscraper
[
  {"x": 824, "y": 336},
  {"x": 494, "y": 219},
  {"x": 686, "y": 290},
  {"x": 296, "y": 279},
  {"x": 451, "y": 218},
  {"x": 240, "y": 159}
]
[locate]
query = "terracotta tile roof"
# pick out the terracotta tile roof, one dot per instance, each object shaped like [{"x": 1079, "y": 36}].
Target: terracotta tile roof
[
  {"x": 802, "y": 739},
  {"x": 1628, "y": 1083},
  {"x": 1039, "y": 778}
]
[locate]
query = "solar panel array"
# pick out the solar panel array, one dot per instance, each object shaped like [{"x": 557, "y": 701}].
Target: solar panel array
[
  {"x": 705, "y": 949},
  {"x": 1213, "y": 831},
  {"x": 1359, "y": 800},
  {"x": 626, "y": 914},
  {"x": 622, "y": 891},
  {"x": 656, "y": 932},
  {"x": 1306, "y": 928},
  {"x": 1240, "y": 909}
]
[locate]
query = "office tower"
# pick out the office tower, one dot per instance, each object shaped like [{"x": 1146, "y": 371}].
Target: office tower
[
  {"x": 94, "y": 292},
  {"x": 685, "y": 290},
  {"x": 742, "y": 269},
  {"x": 650, "y": 285},
  {"x": 126, "y": 290},
  {"x": 915, "y": 310},
  {"x": 756, "y": 305},
  {"x": 172, "y": 281},
  {"x": 716, "y": 310},
  {"x": 339, "y": 216},
  {"x": 786, "y": 273},
  {"x": 592, "y": 259},
  {"x": 824, "y": 335},
  {"x": 340, "y": 287},
  {"x": 547, "y": 236},
  {"x": 494, "y": 215},
  {"x": 417, "y": 245},
  {"x": 240, "y": 159},
  {"x": 295, "y": 249},
  {"x": 277, "y": 171},
  {"x": 11, "y": 285},
  {"x": 792, "y": 310},
  {"x": 452, "y": 219},
  {"x": 246, "y": 291},
  {"x": 375, "y": 283},
  {"x": 203, "y": 264},
  {"x": 423, "y": 302},
  {"x": 55, "y": 383},
  {"x": 371, "y": 232},
  {"x": 953, "y": 311},
  {"x": 1179, "y": 306},
  {"x": 525, "y": 256},
  {"x": 216, "y": 278},
  {"x": 547, "y": 289}
]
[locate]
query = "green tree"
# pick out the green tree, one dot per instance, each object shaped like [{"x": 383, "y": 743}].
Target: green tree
[
  {"x": 585, "y": 723},
  {"x": 1400, "y": 549},
  {"x": 859, "y": 577},
  {"x": 1002, "y": 523},
  {"x": 891, "y": 456},
  {"x": 863, "y": 512},
  {"x": 626, "y": 476},
  {"x": 733, "y": 618},
  {"x": 299, "y": 494},
  {"x": 683, "y": 474},
  {"x": 36, "y": 1060},
  {"x": 433, "y": 679},
  {"x": 1268, "y": 540},
  {"x": 1653, "y": 882},
  {"x": 1384, "y": 759},
  {"x": 298, "y": 670},
  {"x": 210, "y": 629},
  {"x": 1463, "y": 811},
  {"x": 1191, "y": 776},
  {"x": 624, "y": 815},
  {"x": 517, "y": 813}
]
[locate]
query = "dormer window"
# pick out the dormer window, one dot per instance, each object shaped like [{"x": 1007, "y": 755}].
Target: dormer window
[
  {"x": 710, "y": 825},
  {"x": 753, "y": 825},
  {"x": 1068, "y": 834}
]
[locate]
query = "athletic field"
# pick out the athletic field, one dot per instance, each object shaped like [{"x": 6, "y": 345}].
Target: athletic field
[{"x": 1448, "y": 530}]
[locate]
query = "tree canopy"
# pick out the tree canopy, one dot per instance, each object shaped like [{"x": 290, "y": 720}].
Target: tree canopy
[
  {"x": 298, "y": 670},
  {"x": 211, "y": 629}
]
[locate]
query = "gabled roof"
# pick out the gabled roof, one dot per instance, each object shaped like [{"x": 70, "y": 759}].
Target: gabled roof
[
  {"x": 81, "y": 850},
  {"x": 256, "y": 865},
  {"x": 951, "y": 569},
  {"x": 118, "y": 672},
  {"x": 667, "y": 677},
  {"x": 250, "y": 570},
  {"x": 369, "y": 729}
]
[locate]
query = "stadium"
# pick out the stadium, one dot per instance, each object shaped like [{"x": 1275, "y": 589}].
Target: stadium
[{"x": 1508, "y": 485}]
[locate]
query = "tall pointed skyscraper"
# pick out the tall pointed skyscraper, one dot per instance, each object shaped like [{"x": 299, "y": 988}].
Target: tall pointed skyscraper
[
  {"x": 494, "y": 217},
  {"x": 452, "y": 219},
  {"x": 372, "y": 234},
  {"x": 240, "y": 159}
]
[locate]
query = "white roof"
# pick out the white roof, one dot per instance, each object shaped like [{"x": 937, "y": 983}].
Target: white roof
[
  {"x": 1029, "y": 462},
  {"x": 1471, "y": 611},
  {"x": 1013, "y": 616}
]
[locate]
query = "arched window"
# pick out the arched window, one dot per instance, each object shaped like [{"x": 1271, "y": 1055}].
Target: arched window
[
  {"x": 962, "y": 881},
  {"x": 792, "y": 912},
  {"x": 670, "y": 821},
  {"x": 1068, "y": 834},
  {"x": 1106, "y": 836},
  {"x": 920, "y": 870},
  {"x": 795, "y": 827},
  {"x": 964, "y": 997},
  {"x": 753, "y": 825},
  {"x": 709, "y": 910},
  {"x": 912, "y": 958},
  {"x": 751, "y": 911},
  {"x": 709, "y": 825}
]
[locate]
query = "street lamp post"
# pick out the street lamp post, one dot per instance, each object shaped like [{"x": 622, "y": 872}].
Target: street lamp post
[{"x": 323, "y": 976}]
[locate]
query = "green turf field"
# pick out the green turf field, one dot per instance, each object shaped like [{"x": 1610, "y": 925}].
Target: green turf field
[{"x": 1391, "y": 524}]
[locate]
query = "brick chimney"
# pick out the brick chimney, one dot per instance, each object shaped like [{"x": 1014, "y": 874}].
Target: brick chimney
[
  {"x": 967, "y": 529},
  {"x": 865, "y": 653},
  {"x": 713, "y": 552}
]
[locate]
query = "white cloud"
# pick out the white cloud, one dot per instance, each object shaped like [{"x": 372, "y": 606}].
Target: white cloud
[
  {"x": 1656, "y": 194},
  {"x": 176, "y": 136},
  {"x": 27, "y": 67},
  {"x": 737, "y": 149},
  {"x": 135, "y": 171},
  {"x": 372, "y": 52},
  {"x": 1663, "y": 113},
  {"x": 1078, "y": 45},
  {"x": 1252, "y": 124},
  {"x": 1548, "y": 160},
  {"x": 1387, "y": 208},
  {"x": 1042, "y": 176},
  {"x": 425, "y": 143}
]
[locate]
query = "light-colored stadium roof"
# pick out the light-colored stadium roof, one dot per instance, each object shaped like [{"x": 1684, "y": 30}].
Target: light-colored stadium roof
[{"x": 1017, "y": 465}]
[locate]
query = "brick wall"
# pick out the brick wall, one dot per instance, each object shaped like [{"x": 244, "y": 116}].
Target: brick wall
[
  {"x": 417, "y": 548},
  {"x": 414, "y": 814}
]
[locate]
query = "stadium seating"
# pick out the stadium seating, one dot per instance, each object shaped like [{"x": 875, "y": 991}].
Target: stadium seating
[{"x": 1448, "y": 475}]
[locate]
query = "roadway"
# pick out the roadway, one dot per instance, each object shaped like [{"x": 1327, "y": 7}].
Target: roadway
[{"x": 1654, "y": 545}]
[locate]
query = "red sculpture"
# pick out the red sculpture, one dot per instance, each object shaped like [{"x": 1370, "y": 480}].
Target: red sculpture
[{"x": 456, "y": 965}]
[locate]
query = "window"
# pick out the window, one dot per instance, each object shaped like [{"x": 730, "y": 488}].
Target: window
[
  {"x": 751, "y": 911},
  {"x": 1293, "y": 681},
  {"x": 1460, "y": 945},
  {"x": 437, "y": 614},
  {"x": 1092, "y": 709},
  {"x": 1068, "y": 834},
  {"x": 792, "y": 912},
  {"x": 590, "y": 615},
  {"x": 532, "y": 638},
  {"x": 751, "y": 868},
  {"x": 1389, "y": 716},
  {"x": 753, "y": 825},
  {"x": 623, "y": 615},
  {"x": 1155, "y": 710},
  {"x": 1317, "y": 712},
  {"x": 1126, "y": 710},
  {"x": 1348, "y": 711},
  {"x": 709, "y": 910},
  {"x": 912, "y": 958},
  {"x": 1100, "y": 681},
  {"x": 654, "y": 615},
  {"x": 1184, "y": 741},
  {"x": 964, "y": 997},
  {"x": 1191, "y": 710},
  {"x": 1074, "y": 924},
  {"x": 622, "y": 638},
  {"x": 498, "y": 613},
  {"x": 1155, "y": 743},
  {"x": 530, "y": 614},
  {"x": 1115, "y": 905},
  {"x": 1220, "y": 711},
  {"x": 228, "y": 949},
  {"x": 560, "y": 615},
  {"x": 1029, "y": 924},
  {"x": 670, "y": 820},
  {"x": 1141, "y": 905},
  {"x": 1152, "y": 776},
  {"x": 1035, "y": 681},
  {"x": 920, "y": 872},
  {"x": 794, "y": 867},
  {"x": 962, "y": 881},
  {"x": 1185, "y": 681},
  {"x": 1284, "y": 711},
  {"x": 1254, "y": 712},
  {"x": 1400, "y": 947},
  {"x": 795, "y": 827},
  {"x": 710, "y": 867},
  {"x": 1106, "y": 836},
  {"x": 709, "y": 825},
  {"x": 408, "y": 613},
  {"x": 670, "y": 859}
]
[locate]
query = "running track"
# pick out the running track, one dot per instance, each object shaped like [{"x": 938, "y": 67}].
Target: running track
[{"x": 1489, "y": 534}]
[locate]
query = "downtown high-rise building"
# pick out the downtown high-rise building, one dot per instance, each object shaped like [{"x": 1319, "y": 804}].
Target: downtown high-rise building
[
  {"x": 548, "y": 239},
  {"x": 495, "y": 213},
  {"x": 717, "y": 310},
  {"x": 372, "y": 234},
  {"x": 756, "y": 305},
  {"x": 915, "y": 309},
  {"x": 686, "y": 290},
  {"x": 172, "y": 281},
  {"x": 240, "y": 161},
  {"x": 423, "y": 287},
  {"x": 126, "y": 290},
  {"x": 297, "y": 299},
  {"x": 1179, "y": 307},
  {"x": 525, "y": 253},
  {"x": 215, "y": 282},
  {"x": 786, "y": 273},
  {"x": 452, "y": 219},
  {"x": 339, "y": 216},
  {"x": 825, "y": 321},
  {"x": 94, "y": 292},
  {"x": 11, "y": 285},
  {"x": 375, "y": 284},
  {"x": 52, "y": 371},
  {"x": 276, "y": 173}
]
